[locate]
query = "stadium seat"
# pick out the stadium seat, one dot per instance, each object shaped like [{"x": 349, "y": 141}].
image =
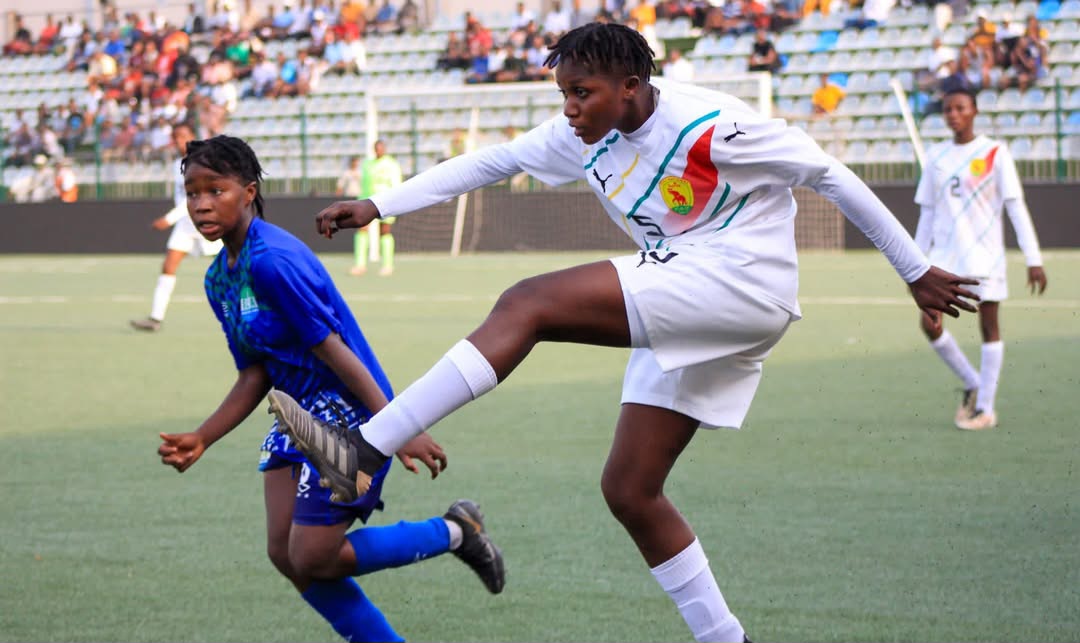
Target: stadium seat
[
  {"x": 1044, "y": 147},
  {"x": 1048, "y": 10},
  {"x": 1004, "y": 123},
  {"x": 1020, "y": 147}
]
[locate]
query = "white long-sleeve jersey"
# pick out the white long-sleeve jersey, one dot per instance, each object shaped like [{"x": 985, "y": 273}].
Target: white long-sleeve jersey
[{"x": 704, "y": 169}]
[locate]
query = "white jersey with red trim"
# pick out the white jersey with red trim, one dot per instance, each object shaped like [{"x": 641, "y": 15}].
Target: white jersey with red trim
[{"x": 963, "y": 190}]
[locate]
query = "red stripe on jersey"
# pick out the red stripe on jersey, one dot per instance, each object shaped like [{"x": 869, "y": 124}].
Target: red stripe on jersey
[{"x": 703, "y": 177}]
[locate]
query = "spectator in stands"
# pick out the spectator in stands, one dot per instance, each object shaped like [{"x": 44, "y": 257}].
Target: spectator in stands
[
  {"x": 480, "y": 67},
  {"x": 250, "y": 18},
  {"x": 102, "y": 68},
  {"x": 478, "y": 38},
  {"x": 557, "y": 21},
  {"x": 301, "y": 26},
  {"x": 264, "y": 73},
  {"x": 42, "y": 181},
  {"x": 66, "y": 185},
  {"x": 510, "y": 66},
  {"x": 70, "y": 33},
  {"x": 74, "y": 127},
  {"x": 194, "y": 22},
  {"x": 161, "y": 145},
  {"x": 455, "y": 55},
  {"x": 283, "y": 21},
  {"x": 21, "y": 142},
  {"x": 535, "y": 55},
  {"x": 1026, "y": 65},
  {"x": 355, "y": 52},
  {"x": 645, "y": 14},
  {"x": 979, "y": 64},
  {"x": 678, "y": 68},
  {"x": 521, "y": 17},
  {"x": 22, "y": 43},
  {"x": 81, "y": 52},
  {"x": 352, "y": 18},
  {"x": 785, "y": 13},
  {"x": 408, "y": 17},
  {"x": 1036, "y": 36},
  {"x": 48, "y": 140},
  {"x": 763, "y": 55},
  {"x": 826, "y": 98},
  {"x": 579, "y": 16},
  {"x": 319, "y": 29},
  {"x": 871, "y": 14},
  {"x": 935, "y": 69},
  {"x": 48, "y": 38},
  {"x": 985, "y": 35},
  {"x": 1007, "y": 36},
  {"x": 810, "y": 6},
  {"x": 386, "y": 18}
]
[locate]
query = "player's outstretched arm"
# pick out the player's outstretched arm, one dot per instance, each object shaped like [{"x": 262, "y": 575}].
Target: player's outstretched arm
[
  {"x": 345, "y": 214},
  {"x": 181, "y": 450},
  {"x": 939, "y": 291}
]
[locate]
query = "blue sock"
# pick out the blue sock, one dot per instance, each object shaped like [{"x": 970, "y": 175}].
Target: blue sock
[
  {"x": 396, "y": 545},
  {"x": 343, "y": 604}
]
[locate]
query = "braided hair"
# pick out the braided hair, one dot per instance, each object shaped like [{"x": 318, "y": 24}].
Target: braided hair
[
  {"x": 228, "y": 156},
  {"x": 605, "y": 48}
]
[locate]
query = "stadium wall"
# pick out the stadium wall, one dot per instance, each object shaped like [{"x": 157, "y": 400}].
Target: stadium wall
[{"x": 496, "y": 220}]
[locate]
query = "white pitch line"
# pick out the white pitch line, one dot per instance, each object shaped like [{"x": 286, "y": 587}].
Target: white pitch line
[{"x": 400, "y": 298}]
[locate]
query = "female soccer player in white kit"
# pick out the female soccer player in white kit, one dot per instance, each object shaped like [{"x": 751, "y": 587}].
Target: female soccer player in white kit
[
  {"x": 702, "y": 184},
  {"x": 184, "y": 239},
  {"x": 964, "y": 186}
]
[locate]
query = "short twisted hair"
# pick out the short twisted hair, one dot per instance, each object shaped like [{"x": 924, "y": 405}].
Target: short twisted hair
[
  {"x": 228, "y": 156},
  {"x": 605, "y": 48}
]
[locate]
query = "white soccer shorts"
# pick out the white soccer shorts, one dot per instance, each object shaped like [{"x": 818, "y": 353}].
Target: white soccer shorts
[
  {"x": 992, "y": 288},
  {"x": 706, "y": 335}
]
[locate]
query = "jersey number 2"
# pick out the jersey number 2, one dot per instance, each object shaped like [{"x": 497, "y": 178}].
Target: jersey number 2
[{"x": 954, "y": 186}]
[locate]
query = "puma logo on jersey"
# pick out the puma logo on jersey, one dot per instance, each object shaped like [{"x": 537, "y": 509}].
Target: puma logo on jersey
[
  {"x": 727, "y": 139},
  {"x": 601, "y": 181}
]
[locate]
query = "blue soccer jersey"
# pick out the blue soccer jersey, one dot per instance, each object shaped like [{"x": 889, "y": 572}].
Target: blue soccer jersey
[{"x": 275, "y": 303}]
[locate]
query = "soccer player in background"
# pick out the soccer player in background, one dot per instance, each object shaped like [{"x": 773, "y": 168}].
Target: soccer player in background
[
  {"x": 702, "y": 184},
  {"x": 288, "y": 327},
  {"x": 964, "y": 186},
  {"x": 380, "y": 174},
  {"x": 183, "y": 240}
]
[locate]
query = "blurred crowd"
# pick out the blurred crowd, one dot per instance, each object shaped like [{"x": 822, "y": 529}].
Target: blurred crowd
[{"x": 145, "y": 74}]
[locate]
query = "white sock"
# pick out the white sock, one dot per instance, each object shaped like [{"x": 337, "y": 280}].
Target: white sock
[
  {"x": 993, "y": 354},
  {"x": 461, "y": 376},
  {"x": 455, "y": 533},
  {"x": 950, "y": 352},
  {"x": 162, "y": 295},
  {"x": 690, "y": 583}
]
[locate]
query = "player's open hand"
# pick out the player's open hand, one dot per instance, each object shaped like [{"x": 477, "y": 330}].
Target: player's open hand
[
  {"x": 345, "y": 214},
  {"x": 181, "y": 450},
  {"x": 427, "y": 451},
  {"x": 939, "y": 290},
  {"x": 1036, "y": 279}
]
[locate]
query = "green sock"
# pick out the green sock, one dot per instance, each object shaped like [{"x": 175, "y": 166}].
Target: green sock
[
  {"x": 360, "y": 248},
  {"x": 386, "y": 246}
]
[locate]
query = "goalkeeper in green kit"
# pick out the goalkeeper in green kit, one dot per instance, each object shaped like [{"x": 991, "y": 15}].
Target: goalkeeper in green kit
[{"x": 378, "y": 175}]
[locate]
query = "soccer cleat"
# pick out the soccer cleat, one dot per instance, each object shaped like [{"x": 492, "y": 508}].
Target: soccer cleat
[
  {"x": 149, "y": 324},
  {"x": 344, "y": 459},
  {"x": 979, "y": 421},
  {"x": 476, "y": 550},
  {"x": 967, "y": 405}
]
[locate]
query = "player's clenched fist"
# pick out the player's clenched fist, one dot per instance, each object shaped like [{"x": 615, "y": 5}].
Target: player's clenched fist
[{"x": 345, "y": 214}]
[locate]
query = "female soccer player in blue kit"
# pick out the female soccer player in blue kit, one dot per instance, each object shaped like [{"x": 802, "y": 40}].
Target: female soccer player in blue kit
[{"x": 287, "y": 327}]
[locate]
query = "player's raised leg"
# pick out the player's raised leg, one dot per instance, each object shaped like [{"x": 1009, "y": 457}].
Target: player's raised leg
[{"x": 583, "y": 304}]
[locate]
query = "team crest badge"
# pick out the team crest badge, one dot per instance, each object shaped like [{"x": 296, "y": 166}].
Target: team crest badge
[
  {"x": 678, "y": 194},
  {"x": 249, "y": 307},
  {"x": 978, "y": 167}
]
